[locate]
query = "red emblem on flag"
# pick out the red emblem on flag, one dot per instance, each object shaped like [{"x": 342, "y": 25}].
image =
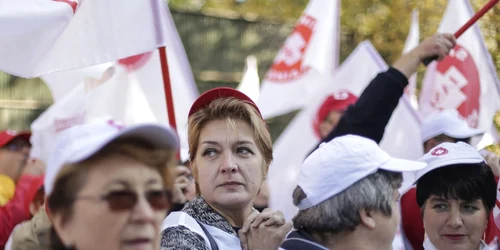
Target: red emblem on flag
[
  {"x": 134, "y": 63},
  {"x": 72, "y": 3},
  {"x": 288, "y": 62},
  {"x": 458, "y": 85},
  {"x": 439, "y": 151}
]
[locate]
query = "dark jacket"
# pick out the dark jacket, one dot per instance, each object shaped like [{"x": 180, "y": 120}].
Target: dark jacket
[
  {"x": 301, "y": 240},
  {"x": 369, "y": 116}
]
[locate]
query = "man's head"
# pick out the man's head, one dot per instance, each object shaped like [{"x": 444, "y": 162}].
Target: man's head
[
  {"x": 14, "y": 151},
  {"x": 350, "y": 186},
  {"x": 331, "y": 111},
  {"x": 446, "y": 126}
]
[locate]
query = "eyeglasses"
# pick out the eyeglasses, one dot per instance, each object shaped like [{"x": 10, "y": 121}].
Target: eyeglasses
[{"x": 119, "y": 201}]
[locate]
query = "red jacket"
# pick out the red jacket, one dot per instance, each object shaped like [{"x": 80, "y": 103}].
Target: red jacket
[
  {"x": 413, "y": 225},
  {"x": 14, "y": 212}
]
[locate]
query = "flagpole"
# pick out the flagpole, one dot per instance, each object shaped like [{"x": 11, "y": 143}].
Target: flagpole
[
  {"x": 488, "y": 6},
  {"x": 156, "y": 7},
  {"x": 167, "y": 86}
]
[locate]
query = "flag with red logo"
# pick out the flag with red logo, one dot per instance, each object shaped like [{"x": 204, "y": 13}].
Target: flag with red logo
[
  {"x": 301, "y": 134},
  {"x": 465, "y": 80},
  {"x": 412, "y": 41},
  {"x": 250, "y": 83},
  {"x": 309, "y": 53},
  {"x": 129, "y": 90},
  {"x": 40, "y": 37}
]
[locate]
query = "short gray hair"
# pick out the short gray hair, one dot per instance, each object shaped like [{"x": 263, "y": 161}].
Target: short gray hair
[{"x": 340, "y": 213}]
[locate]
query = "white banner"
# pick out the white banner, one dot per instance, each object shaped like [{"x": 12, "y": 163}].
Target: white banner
[
  {"x": 465, "y": 80},
  {"x": 412, "y": 41},
  {"x": 130, "y": 90},
  {"x": 43, "y": 36},
  {"x": 309, "y": 54},
  {"x": 250, "y": 83}
]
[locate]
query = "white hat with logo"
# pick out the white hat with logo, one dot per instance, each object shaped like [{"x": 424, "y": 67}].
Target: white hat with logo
[{"x": 446, "y": 154}]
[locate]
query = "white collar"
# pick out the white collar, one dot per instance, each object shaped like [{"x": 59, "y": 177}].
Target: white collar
[{"x": 429, "y": 246}]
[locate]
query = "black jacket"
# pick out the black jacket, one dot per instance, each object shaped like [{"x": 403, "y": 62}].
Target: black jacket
[
  {"x": 369, "y": 116},
  {"x": 301, "y": 240}
]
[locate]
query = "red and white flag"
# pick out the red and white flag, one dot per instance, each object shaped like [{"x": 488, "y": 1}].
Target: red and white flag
[
  {"x": 43, "y": 36},
  {"x": 412, "y": 41},
  {"x": 250, "y": 83},
  {"x": 465, "y": 80},
  {"x": 299, "y": 137},
  {"x": 129, "y": 90},
  {"x": 309, "y": 53}
]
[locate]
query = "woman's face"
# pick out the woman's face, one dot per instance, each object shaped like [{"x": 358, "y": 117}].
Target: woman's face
[
  {"x": 454, "y": 224},
  {"x": 94, "y": 225},
  {"x": 228, "y": 164}
]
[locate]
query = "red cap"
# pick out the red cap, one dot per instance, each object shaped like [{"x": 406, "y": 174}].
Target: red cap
[
  {"x": 338, "y": 101},
  {"x": 7, "y": 136},
  {"x": 206, "y": 98}
]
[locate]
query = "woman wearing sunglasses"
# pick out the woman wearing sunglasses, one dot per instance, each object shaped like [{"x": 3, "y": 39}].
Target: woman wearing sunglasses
[
  {"x": 107, "y": 186},
  {"x": 230, "y": 152},
  {"x": 456, "y": 193}
]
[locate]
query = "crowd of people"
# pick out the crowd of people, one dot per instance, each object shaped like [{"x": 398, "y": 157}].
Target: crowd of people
[{"x": 109, "y": 186}]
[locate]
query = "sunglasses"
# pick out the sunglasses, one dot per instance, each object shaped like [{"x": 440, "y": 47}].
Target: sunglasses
[{"x": 119, "y": 201}]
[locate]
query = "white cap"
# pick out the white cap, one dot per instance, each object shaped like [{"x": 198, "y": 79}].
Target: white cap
[
  {"x": 340, "y": 163},
  {"x": 446, "y": 154},
  {"x": 447, "y": 122},
  {"x": 82, "y": 141}
]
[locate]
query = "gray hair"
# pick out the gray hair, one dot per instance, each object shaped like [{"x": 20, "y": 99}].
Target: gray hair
[{"x": 340, "y": 213}]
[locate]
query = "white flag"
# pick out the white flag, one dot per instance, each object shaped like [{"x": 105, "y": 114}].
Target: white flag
[
  {"x": 309, "y": 53},
  {"x": 412, "y": 41},
  {"x": 250, "y": 83},
  {"x": 465, "y": 80},
  {"x": 130, "y": 90},
  {"x": 43, "y": 36},
  {"x": 300, "y": 137},
  {"x": 402, "y": 137}
]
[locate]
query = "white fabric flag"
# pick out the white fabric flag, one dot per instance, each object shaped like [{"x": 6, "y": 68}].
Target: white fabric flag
[
  {"x": 299, "y": 137},
  {"x": 465, "y": 80},
  {"x": 130, "y": 90},
  {"x": 412, "y": 41},
  {"x": 250, "y": 83},
  {"x": 43, "y": 36},
  {"x": 309, "y": 54}
]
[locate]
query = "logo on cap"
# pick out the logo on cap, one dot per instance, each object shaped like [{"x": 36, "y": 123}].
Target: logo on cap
[
  {"x": 439, "y": 151},
  {"x": 341, "y": 95},
  {"x": 114, "y": 124},
  {"x": 11, "y": 132}
]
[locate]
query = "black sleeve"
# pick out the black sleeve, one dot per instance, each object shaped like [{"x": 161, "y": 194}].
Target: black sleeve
[{"x": 371, "y": 113}]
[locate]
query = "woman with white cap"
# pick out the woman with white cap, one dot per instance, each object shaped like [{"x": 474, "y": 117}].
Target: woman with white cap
[
  {"x": 108, "y": 186},
  {"x": 456, "y": 193},
  {"x": 230, "y": 153}
]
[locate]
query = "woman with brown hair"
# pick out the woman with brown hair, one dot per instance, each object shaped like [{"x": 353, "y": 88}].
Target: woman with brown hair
[
  {"x": 108, "y": 186},
  {"x": 230, "y": 153}
]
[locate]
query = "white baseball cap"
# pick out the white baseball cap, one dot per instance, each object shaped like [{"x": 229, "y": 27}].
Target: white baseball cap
[
  {"x": 446, "y": 154},
  {"x": 82, "y": 141},
  {"x": 340, "y": 163},
  {"x": 447, "y": 122}
]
